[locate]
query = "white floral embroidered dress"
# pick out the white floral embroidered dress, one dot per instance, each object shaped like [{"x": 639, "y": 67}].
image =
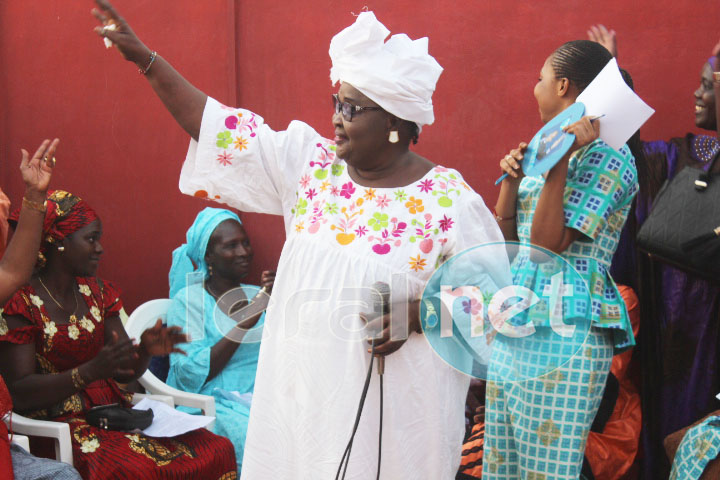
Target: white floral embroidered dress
[{"x": 341, "y": 238}]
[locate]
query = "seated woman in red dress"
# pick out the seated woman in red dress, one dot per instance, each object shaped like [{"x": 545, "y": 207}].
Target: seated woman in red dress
[{"x": 63, "y": 349}]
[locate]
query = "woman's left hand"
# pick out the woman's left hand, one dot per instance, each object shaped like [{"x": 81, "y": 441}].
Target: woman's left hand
[
  {"x": 585, "y": 132},
  {"x": 159, "y": 340},
  {"x": 388, "y": 324}
]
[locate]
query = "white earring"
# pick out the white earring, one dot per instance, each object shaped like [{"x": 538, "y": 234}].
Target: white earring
[
  {"x": 393, "y": 137},
  {"x": 61, "y": 248}
]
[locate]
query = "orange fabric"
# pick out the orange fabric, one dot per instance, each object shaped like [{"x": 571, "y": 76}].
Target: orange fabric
[
  {"x": 611, "y": 453},
  {"x": 472, "y": 454}
]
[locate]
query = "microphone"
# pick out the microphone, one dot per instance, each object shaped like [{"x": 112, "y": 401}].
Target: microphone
[{"x": 380, "y": 296}]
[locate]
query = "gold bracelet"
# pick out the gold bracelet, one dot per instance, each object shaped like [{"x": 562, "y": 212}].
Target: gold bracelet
[
  {"x": 77, "y": 380},
  {"x": 40, "y": 207}
]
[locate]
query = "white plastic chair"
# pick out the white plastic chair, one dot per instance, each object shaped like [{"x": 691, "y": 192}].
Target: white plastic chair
[
  {"x": 144, "y": 317},
  {"x": 58, "y": 431}
]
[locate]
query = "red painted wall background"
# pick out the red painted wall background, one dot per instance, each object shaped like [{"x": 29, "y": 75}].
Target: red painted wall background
[{"x": 122, "y": 151}]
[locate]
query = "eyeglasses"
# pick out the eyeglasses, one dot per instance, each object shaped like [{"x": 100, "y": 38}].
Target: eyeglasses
[{"x": 347, "y": 109}]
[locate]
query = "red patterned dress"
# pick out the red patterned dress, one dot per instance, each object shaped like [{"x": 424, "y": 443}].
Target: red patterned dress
[{"x": 97, "y": 453}]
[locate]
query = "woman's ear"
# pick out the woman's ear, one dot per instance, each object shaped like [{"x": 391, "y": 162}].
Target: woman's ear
[{"x": 563, "y": 86}]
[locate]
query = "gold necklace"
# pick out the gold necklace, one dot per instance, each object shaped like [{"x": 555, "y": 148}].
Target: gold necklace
[{"x": 73, "y": 318}]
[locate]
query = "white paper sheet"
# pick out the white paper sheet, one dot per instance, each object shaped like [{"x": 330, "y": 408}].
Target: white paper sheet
[
  {"x": 624, "y": 111},
  {"x": 168, "y": 422}
]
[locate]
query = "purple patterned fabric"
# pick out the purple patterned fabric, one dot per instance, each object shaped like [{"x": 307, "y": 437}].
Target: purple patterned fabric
[{"x": 680, "y": 325}]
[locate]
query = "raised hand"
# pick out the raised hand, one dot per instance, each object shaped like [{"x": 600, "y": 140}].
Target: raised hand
[
  {"x": 510, "y": 163},
  {"x": 36, "y": 171},
  {"x": 585, "y": 130},
  {"x": 159, "y": 340},
  {"x": 129, "y": 45},
  {"x": 603, "y": 36}
]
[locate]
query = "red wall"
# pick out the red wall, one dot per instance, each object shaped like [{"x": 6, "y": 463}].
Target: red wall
[{"x": 122, "y": 152}]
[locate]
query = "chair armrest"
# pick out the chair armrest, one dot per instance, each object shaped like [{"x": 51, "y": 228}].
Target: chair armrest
[
  {"x": 166, "y": 399},
  {"x": 43, "y": 428},
  {"x": 21, "y": 441},
  {"x": 206, "y": 403}
]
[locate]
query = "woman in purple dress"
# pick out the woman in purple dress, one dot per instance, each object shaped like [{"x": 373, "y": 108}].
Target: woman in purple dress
[{"x": 680, "y": 312}]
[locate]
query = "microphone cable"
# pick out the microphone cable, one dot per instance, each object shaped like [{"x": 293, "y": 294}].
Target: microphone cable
[{"x": 348, "y": 449}]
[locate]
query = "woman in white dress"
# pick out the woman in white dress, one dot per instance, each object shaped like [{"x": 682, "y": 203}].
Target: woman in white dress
[{"x": 358, "y": 209}]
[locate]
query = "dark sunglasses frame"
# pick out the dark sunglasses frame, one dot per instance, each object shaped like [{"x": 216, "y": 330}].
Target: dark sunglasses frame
[{"x": 348, "y": 110}]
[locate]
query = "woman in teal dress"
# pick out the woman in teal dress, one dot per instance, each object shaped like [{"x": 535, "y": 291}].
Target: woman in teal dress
[
  {"x": 538, "y": 427},
  {"x": 211, "y": 303}
]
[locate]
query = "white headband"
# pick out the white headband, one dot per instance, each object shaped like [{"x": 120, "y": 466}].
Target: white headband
[{"x": 399, "y": 75}]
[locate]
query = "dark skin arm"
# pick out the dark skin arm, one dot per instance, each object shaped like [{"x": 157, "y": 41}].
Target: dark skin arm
[
  {"x": 18, "y": 368},
  {"x": 119, "y": 359},
  {"x": 247, "y": 317},
  {"x": 548, "y": 228},
  {"x": 19, "y": 259},
  {"x": 506, "y": 207},
  {"x": 184, "y": 102}
]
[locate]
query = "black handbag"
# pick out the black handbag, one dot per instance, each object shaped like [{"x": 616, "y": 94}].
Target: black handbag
[
  {"x": 683, "y": 228},
  {"x": 115, "y": 417}
]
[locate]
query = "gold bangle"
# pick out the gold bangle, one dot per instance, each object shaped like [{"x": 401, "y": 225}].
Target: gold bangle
[
  {"x": 77, "y": 380},
  {"x": 40, "y": 207}
]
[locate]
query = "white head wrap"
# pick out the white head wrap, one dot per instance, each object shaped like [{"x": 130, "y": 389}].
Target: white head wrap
[{"x": 399, "y": 75}]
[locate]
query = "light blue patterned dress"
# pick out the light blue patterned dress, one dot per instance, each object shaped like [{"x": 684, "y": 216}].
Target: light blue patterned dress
[
  {"x": 197, "y": 313},
  {"x": 538, "y": 428}
]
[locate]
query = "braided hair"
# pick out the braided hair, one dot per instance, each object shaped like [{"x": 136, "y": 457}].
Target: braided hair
[{"x": 580, "y": 61}]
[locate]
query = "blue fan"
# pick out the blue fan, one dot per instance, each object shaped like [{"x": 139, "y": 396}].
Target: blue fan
[{"x": 550, "y": 144}]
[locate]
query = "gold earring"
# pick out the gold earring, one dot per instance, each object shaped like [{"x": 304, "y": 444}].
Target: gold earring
[
  {"x": 393, "y": 137},
  {"x": 210, "y": 270}
]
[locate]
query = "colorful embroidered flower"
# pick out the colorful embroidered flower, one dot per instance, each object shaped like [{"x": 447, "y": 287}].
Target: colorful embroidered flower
[
  {"x": 347, "y": 190},
  {"x": 300, "y": 207},
  {"x": 360, "y": 231},
  {"x": 337, "y": 170},
  {"x": 95, "y": 312},
  {"x": 400, "y": 195},
  {"x": 446, "y": 223},
  {"x": 334, "y": 191},
  {"x": 36, "y": 300},
  {"x": 50, "y": 329},
  {"x": 440, "y": 169},
  {"x": 85, "y": 290},
  {"x": 414, "y": 205},
  {"x": 426, "y": 186},
  {"x": 299, "y": 227},
  {"x": 382, "y": 201},
  {"x": 224, "y": 159},
  {"x": 331, "y": 208},
  {"x": 417, "y": 263},
  {"x": 369, "y": 193},
  {"x": 471, "y": 306},
  {"x": 224, "y": 139},
  {"x": 87, "y": 324},
  {"x": 241, "y": 143},
  {"x": 379, "y": 221},
  {"x": 310, "y": 194},
  {"x": 73, "y": 332},
  {"x": 305, "y": 181},
  {"x": 89, "y": 446},
  {"x": 324, "y": 185}
]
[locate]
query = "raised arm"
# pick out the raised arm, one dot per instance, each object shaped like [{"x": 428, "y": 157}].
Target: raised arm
[
  {"x": 184, "y": 102},
  {"x": 607, "y": 38},
  {"x": 548, "y": 227},
  {"x": 17, "y": 263}
]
